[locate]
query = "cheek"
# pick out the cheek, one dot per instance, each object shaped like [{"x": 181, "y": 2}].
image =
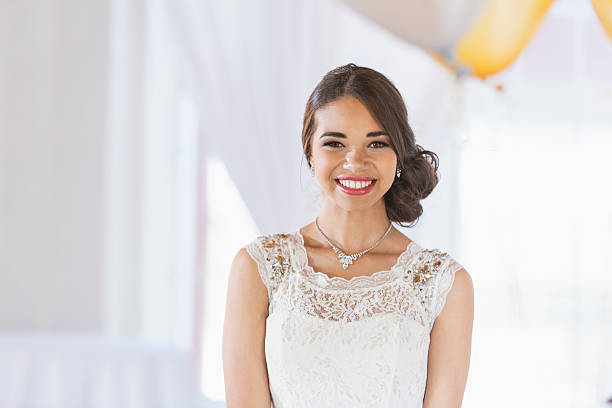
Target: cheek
[
  {"x": 388, "y": 162},
  {"x": 326, "y": 159}
]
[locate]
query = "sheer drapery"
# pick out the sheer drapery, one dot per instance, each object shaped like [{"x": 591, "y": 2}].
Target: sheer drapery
[{"x": 152, "y": 167}]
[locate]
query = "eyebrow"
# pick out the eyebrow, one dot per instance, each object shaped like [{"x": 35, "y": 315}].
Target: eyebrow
[{"x": 342, "y": 135}]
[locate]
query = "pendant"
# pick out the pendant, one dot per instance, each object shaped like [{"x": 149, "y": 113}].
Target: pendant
[{"x": 345, "y": 260}]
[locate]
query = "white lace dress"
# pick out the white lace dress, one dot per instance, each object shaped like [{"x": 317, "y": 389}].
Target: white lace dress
[{"x": 359, "y": 342}]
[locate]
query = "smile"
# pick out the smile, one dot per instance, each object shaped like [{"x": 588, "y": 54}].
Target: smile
[{"x": 355, "y": 187}]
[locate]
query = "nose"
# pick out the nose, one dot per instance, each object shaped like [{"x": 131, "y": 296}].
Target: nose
[{"x": 354, "y": 160}]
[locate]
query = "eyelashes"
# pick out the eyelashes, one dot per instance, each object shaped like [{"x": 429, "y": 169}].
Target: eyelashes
[{"x": 338, "y": 144}]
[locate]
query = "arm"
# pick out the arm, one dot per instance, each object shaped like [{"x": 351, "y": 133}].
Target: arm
[
  {"x": 450, "y": 346},
  {"x": 244, "y": 363}
]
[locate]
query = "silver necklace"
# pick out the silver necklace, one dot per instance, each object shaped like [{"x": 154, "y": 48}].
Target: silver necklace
[{"x": 345, "y": 259}]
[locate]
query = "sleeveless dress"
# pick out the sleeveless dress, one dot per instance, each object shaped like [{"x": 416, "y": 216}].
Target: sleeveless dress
[{"x": 359, "y": 342}]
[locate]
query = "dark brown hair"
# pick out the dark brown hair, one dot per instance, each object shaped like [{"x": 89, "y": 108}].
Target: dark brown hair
[{"x": 384, "y": 102}]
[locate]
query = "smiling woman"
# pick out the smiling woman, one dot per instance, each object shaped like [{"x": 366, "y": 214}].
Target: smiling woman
[{"x": 347, "y": 310}]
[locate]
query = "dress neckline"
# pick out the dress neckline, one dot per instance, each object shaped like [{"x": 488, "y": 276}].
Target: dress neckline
[{"x": 361, "y": 281}]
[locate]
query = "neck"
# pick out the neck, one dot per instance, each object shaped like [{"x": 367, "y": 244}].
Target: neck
[{"x": 353, "y": 230}]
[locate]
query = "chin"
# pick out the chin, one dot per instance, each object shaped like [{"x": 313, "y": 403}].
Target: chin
[{"x": 355, "y": 203}]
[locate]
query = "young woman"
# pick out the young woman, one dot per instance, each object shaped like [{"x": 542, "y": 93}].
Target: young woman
[{"x": 347, "y": 311}]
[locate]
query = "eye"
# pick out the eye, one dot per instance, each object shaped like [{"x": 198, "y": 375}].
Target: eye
[
  {"x": 381, "y": 144},
  {"x": 332, "y": 144}
]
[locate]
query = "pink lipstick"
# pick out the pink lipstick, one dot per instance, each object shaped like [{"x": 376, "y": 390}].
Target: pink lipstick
[{"x": 354, "y": 190}]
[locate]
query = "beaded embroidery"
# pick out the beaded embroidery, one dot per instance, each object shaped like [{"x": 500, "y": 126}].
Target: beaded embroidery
[
  {"x": 275, "y": 252},
  {"x": 428, "y": 267}
]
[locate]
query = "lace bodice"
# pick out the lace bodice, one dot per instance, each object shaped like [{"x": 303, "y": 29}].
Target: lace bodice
[{"x": 359, "y": 342}]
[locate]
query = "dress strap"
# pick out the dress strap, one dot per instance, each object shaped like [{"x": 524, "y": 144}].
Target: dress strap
[
  {"x": 272, "y": 254},
  {"x": 444, "y": 283}
]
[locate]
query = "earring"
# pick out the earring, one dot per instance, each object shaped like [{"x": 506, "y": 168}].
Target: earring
[
  {"x": 311, "y": 169},
  {"x": 398, "y": 173}
]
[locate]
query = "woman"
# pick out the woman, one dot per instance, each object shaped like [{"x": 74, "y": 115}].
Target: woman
[{"x": 348, "y": 311}]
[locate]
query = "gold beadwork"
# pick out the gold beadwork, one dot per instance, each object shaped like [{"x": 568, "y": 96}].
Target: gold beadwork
[
  {"x": 426, "y": 266},
  {"x": 275, "y": 256},
  {"x": 279, "y": 267}
]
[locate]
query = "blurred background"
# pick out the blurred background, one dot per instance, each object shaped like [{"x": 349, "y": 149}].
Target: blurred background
[{"x": 143, "y": 142}]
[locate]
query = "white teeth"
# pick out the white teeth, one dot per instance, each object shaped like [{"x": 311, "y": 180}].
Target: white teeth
[{"x": 355, "y": 185}]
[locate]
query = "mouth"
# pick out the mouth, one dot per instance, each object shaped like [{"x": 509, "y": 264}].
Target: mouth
[{"x": 356, "y": 186}]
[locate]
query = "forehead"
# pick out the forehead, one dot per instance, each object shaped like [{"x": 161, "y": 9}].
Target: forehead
[{"x": 345, "y": 113}]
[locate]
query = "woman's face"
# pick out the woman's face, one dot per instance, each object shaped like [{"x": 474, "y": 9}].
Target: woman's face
[{"x": 349, "y": 147}]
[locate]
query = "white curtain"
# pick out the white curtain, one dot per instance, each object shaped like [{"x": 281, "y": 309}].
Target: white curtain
[
  {"x": 98, "y": 161},
  {"x": 153, "y": 171}
]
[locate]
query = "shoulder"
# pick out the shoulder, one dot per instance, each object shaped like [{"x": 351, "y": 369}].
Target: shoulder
[
  {"x": 251, "y": 259},
  {"x": 245, "y": 265},
  {"x": 453, "y": 310},
  {"x": 459, "y": 292},
  {"x": 246, "y": 292},
  {"x": 271, "y": 254},
  {"x": 451, "y": 283}
]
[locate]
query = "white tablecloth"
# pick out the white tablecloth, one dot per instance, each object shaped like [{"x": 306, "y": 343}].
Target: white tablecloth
[{"x": 91, "y": 371}]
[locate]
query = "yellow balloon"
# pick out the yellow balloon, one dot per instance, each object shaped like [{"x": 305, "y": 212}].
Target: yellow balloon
[
  {"x": 603, "y": 8},
  {"x": 499, "y": 35}
]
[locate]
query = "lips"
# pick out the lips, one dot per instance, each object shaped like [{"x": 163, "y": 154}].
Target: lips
[
  {"x": 355, "y": 191},
  {"x": 354, "y": 178}
]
